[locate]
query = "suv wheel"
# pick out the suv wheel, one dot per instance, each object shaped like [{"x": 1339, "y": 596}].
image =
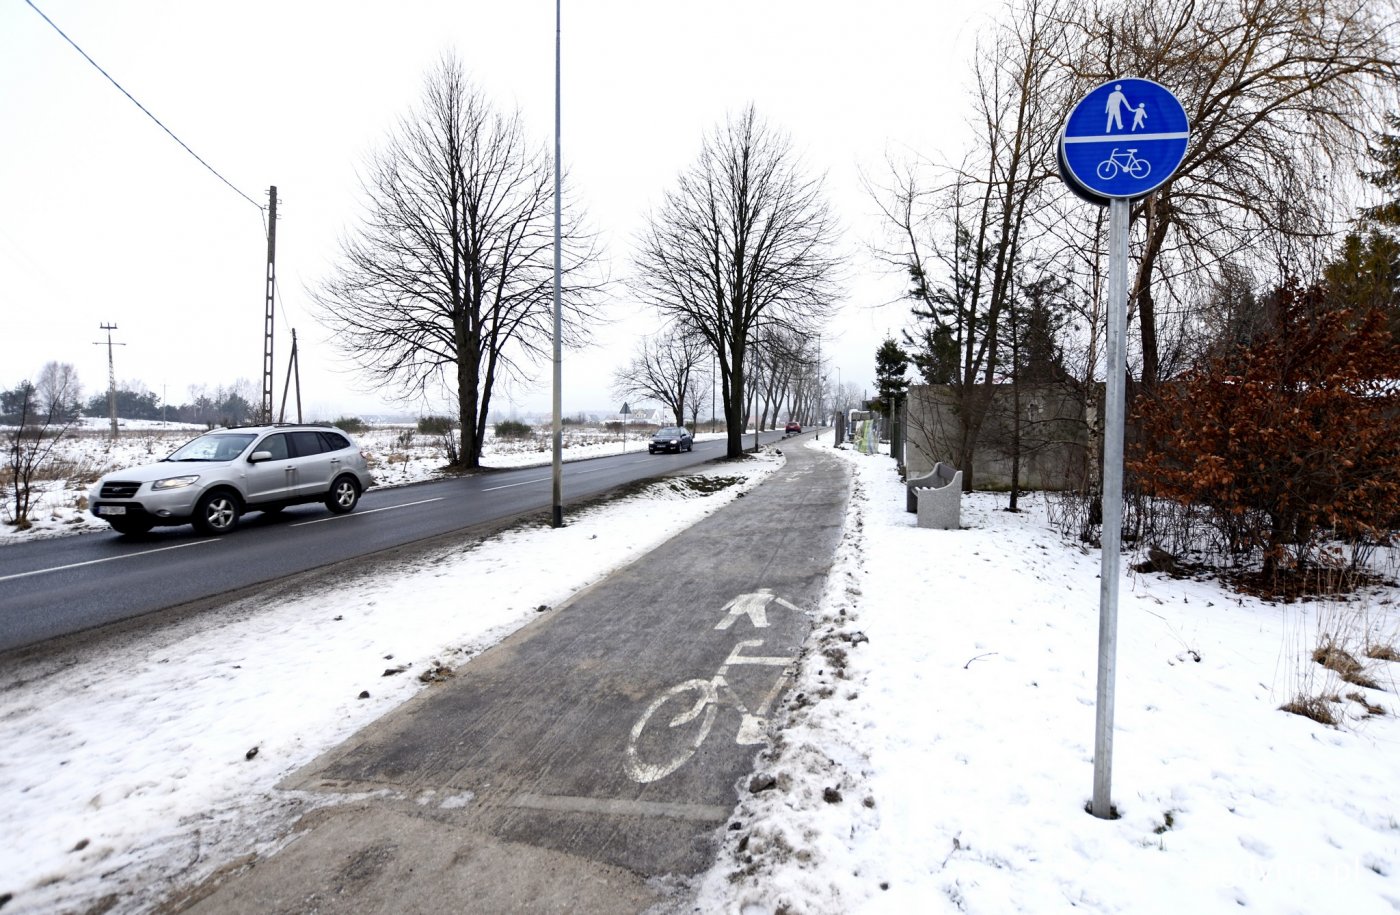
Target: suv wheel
[
  {"x": 216, "y": 512},
  {"x": 344, "y": 495}
]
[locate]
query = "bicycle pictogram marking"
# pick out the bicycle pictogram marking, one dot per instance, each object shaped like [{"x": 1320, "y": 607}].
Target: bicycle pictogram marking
[
  {"x": 1127, "y": 162},
  {"x": 667, "y": 734}
]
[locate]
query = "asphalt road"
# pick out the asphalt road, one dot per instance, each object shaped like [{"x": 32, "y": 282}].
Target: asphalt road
[
  {"x": 593, "y": 752},
  {"x": 59, "y": 586}
]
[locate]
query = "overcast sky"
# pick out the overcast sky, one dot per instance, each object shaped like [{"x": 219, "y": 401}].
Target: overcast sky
[{"x": 109, "y": 220}]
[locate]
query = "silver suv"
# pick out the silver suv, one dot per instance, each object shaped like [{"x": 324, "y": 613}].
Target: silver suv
[{"x": 211, "y": 480}]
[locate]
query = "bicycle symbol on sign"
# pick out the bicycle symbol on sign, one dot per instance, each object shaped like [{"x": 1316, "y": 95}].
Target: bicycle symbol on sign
[
  {"x": 689, "y": 708},
  {"x": 1125, "y": 161}
]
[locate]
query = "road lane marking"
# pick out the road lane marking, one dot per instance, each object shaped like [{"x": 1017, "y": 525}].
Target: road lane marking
[
  {"x": 93, "y": 562},
  {"x": 368, "y": 511},
  {"x": 619, "y": 806},
  {"x": 509, "y": 485}
]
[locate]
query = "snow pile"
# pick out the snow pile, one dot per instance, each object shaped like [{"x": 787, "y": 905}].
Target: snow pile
[{"x": 946, "y": 763}]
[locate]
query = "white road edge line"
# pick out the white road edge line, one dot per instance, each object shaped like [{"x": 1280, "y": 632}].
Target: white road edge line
[
  {"x": 93, "y": 562},
  {"x": 368, "y": 511}
]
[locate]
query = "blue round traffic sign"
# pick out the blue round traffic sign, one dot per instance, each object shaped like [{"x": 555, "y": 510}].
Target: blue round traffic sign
[{"x": 1125, "y": 138}]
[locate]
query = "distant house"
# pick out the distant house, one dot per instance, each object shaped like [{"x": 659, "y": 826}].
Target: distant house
[{"x": 643, "y": 416}]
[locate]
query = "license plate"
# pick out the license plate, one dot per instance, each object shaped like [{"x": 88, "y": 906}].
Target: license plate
[{"x": 111, "y": 509}]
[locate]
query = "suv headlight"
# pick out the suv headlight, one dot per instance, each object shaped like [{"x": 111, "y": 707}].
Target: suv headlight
[{"x": 174, "y": 482}]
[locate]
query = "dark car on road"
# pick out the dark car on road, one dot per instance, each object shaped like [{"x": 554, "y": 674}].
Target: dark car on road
[
  {"x": 793, "y": 428},
  {"x": 671, "y": 438}
]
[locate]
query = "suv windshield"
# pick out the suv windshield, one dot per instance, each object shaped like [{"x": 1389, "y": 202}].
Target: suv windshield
[
  {"x": 219, "y": 446},
  {"x": 668, "y": 433}
]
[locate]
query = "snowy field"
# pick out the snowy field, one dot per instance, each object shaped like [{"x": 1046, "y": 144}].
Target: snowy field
[{"x": 937, "y": 754}]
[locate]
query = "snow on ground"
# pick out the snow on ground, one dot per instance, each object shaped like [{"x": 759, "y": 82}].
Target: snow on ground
[
  {"x": 937, "y": 754},
  {"x": 142, "y": 763},
  {"x": 941, "y": 754}
]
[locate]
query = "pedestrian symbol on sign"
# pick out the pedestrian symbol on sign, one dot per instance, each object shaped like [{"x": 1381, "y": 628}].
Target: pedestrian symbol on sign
[{"x": 1116, "y": 102}]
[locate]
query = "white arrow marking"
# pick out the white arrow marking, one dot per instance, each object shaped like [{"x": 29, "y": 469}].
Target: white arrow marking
[{"x": 754, "y": 606}]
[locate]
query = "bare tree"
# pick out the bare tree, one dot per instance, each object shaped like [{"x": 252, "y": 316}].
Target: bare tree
[
  {"x": 1281, "y": 95},
  {"x": 449, "y": 280},
  {"x": 60, "y": 395},
  {"x": 699, "y": 392},
  {"x": 960, "y": 244},
  {"x": 803, "y": 384},
  {"x": 743, "y": 243},
  {"x": 665, "y": 368},
  {"x": 784, "y": 360},
  {"x": 29, "y": 444}
]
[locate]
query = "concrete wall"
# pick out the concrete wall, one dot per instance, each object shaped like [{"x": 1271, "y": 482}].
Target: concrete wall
[{"x": 1054, "y": 436}]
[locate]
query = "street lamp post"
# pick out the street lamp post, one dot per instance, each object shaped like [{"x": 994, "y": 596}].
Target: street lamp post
[{"x": 557, "y": 519}]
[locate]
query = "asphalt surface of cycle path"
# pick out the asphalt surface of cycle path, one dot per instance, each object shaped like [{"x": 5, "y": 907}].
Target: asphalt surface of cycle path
[{"x": 596, "y": 749}]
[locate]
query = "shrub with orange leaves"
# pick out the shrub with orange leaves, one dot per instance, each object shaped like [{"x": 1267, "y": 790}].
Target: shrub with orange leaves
[{"x": 1289, "y": 439}]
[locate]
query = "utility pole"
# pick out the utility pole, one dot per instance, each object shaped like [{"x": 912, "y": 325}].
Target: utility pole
[
  {"x": 111, "y": 376},
  {"x": 293, "y": 370},
  {"x": 266, "y": 415}
]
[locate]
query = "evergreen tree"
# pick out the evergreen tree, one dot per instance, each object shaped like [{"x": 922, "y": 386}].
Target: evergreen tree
[
  {"x": 934, "y": 353},
  {"x": 1039, "y": 357},
  {"x": 130, "y": 404},
  {"x": 1366, "y": 275},
  {"x": 891, "y": 363},
  {"x": 16, "y": 402},
  {"x": 1386, "y": 152}
]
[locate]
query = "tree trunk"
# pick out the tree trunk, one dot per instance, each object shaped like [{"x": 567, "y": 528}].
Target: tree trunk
[
  {"x": 733, "y": 394},
  {"x": 468, "y": 401},
  {"x": 1147, "y": 310}
]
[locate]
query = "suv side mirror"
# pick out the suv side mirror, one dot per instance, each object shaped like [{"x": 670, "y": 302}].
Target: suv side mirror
[{"x": 258, "y": 456}]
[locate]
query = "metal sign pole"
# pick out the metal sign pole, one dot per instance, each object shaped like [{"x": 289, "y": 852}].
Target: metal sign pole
[
  {"x": 1121, "y": 141},
  {"x": 1112, "y": 534}
]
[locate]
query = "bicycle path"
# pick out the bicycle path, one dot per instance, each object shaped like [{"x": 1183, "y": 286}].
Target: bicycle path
[{"x": 592, "y": 751}]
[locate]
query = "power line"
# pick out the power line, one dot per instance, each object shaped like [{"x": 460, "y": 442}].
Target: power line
[{"x": 141, "y": 106}]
